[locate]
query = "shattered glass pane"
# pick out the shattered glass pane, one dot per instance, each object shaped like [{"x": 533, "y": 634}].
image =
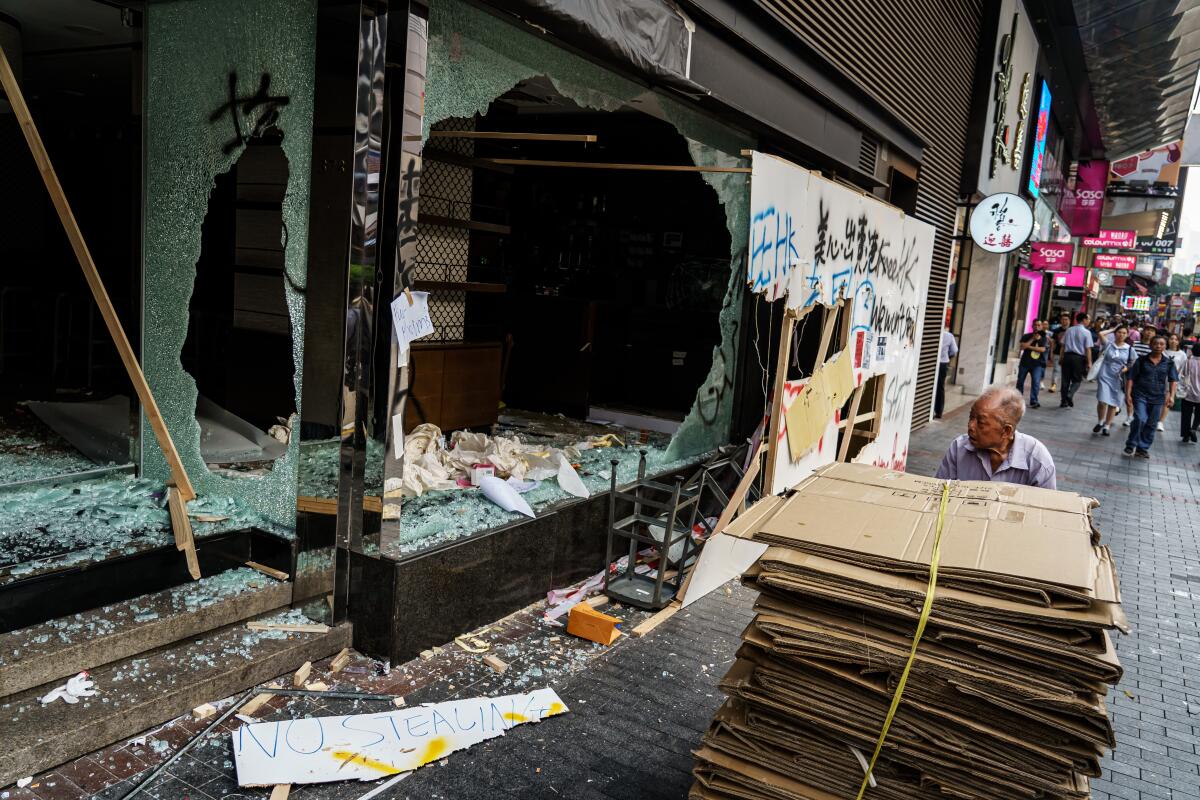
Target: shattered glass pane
[{"x": 219, "y": 72}]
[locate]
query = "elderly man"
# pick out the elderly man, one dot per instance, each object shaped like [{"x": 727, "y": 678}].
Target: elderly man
[{"x": 993, "y": 449}]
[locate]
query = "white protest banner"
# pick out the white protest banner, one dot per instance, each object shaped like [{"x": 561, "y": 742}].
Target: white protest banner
[
  {"x": 367, "y": 747},
  {"x": 410, "y": 320}
]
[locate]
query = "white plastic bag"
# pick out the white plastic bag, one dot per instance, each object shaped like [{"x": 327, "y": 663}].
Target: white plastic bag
[{"x": 1095, "y": 370}]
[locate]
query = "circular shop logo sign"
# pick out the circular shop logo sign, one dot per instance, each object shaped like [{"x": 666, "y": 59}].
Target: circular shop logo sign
[
  {"x": 1001, "y": 223},
  {"x": 1104, "y": 277}
]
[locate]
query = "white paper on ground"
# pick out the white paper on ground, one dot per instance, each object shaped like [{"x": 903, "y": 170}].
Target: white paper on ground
[
  {"x": 368, "y": 747},
  {"x": 723, "y": 558},
  {"x": 522, "y": 486},
  {"x": 504, "y": 495},
  {"x": 569, "y": 480},
  {"x": 410, "y": 322}
]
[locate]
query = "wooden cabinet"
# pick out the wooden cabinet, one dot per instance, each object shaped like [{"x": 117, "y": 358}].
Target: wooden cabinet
[{"x": 454, "y": 385}]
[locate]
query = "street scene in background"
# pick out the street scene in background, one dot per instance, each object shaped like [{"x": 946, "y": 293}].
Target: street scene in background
[{"x": 646, "y": 399}]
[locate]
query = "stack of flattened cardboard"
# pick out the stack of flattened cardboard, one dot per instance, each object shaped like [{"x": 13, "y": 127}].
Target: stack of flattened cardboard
[{"x": 1005, "y": 698}]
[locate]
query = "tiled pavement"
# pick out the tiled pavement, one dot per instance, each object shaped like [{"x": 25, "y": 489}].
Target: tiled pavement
[
  {"x": 1149, "y": 515},
  {"x": 640, "y": 707}
]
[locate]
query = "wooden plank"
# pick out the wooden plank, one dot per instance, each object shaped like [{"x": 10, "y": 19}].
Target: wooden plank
[
  {"x": 277, "y": 574},
  {"x": 92, "y": 275},
  {"x": 255, "y": 703},
  {"x": 776, "y": 419},
  {"x": 328, "y": 505},
  {"x": 459, "y": 160},
  {"x": 853, "y": 420},
  {"x": 656, "y": 620},
  {"x": 340, "y": 661},
  {"x": 514, "y": 135},
  {"x": 532, "y": 162},
  {"x": 181, "y": 525},
  {"x": 281, "y": 791},
  {"x": 495, "y": 663},
  {"x": 301, "y": 675},
  {"x": 870, "y": 415},
  {"x": 289, "y": 627}
]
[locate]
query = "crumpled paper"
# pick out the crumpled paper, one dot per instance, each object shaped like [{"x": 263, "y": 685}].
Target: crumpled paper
[
  {"x": 429, "y": 465},
  {"x": 70, "y": 692}
]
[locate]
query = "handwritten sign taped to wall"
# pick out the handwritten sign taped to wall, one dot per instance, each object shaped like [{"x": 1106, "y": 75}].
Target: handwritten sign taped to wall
[
  {"x": 410, "y": 320},
  {"x": 371, "y": 746}
]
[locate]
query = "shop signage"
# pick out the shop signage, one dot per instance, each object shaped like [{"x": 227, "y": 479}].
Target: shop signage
[
  {"x": 1001, "y": 223},
  {"x": 1118, "y": 263},
  {"x": 1137, "y": 303},
  {"x": 1156, "y": 246},
  {"x": 1196, "y": 306},
  {"x": 1000, "y": 98},
  {"x": 1082, "y": 202},
  {"x": 1014, "y": 155},
  {"x": 1196, "y": 281},
  {"x": 1104, "y": 277},
  {"x": 1052, "y": 256},
  {"x": 1160, "y": 165},
  {"x": 1123, "y": 240},
  {"x": 1039, "y": 141},
  {"x": 1073, "y": 279}
]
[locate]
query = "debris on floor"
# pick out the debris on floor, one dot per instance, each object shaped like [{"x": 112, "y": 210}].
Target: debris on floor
[
  {"x": 360, "y": 747},
  {"x": 588, "y": 623},
  {"x": 71, "y": 691}
]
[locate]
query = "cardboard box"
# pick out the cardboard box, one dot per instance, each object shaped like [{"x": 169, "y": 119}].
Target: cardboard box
[{"x": 1005, "y": 697}]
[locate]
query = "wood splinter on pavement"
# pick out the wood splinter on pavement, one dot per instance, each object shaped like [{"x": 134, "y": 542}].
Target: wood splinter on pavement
[
  {"x": 302, "y": 674},
  {"x": 495, "y": 663},
  {"x": 255, "y": 703},
  {"x": 289, "y": 627},
  {"x": 317, "y": 686},
  {"x": 277, "y": 574},
  {"x": 203, "y": 712},
  {"x": 658, "y": 619},
  {"x": 281, "y": 791},
  {"x": 340, "y": 661}
]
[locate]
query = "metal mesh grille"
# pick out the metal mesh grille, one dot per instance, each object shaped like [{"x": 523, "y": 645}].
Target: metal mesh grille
[{"x": 443, "y": 252}]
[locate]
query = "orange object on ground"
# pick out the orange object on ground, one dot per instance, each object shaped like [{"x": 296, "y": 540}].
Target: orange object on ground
[{"x": 588, "y": 623}]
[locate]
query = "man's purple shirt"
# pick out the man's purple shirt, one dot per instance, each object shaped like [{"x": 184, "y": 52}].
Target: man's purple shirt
[{"x": 1028, "y": 463}]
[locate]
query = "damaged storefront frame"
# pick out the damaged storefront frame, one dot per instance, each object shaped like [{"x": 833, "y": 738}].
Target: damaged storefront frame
[
  {"x": 473, "y": 59},
  {"x": 220, "y": 72}
]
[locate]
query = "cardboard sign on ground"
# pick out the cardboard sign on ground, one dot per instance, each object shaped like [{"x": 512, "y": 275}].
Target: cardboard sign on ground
[{"x": 367, "y": 747}]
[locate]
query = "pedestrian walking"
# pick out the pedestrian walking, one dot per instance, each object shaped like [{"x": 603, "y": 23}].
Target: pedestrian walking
[
  {"x": 1077, "y": 358},
  {"x": 1034, "y": 346},
  {"x": 1141, "y": 347},
  {"x": 993, "y": 449},
  {"x": 1189, "y": 391},
  {"x": 1176, "y": 354},
  {"x": 947, "y": 350},
  {"x": 1150, "y": 383},
  {"x": 1116, "y": 356},
  {"x": 1056, "y": 337}
]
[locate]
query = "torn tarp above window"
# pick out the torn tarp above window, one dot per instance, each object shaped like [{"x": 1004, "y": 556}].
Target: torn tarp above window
[{"x": 652, "y": 36}]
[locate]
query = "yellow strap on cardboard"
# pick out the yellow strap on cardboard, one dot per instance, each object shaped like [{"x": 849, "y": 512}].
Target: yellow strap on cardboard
[{"x": 912, "y": 653}]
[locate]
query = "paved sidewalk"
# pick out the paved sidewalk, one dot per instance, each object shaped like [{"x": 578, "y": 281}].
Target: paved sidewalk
[
  {"x": 639, "y": 708},
  {"x": 1149, "y": 515}
]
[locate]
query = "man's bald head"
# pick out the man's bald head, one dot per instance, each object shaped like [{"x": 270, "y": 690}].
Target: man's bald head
[
  {"x": 1005, "y": 402},
  {"x": 994, "y": 418}
]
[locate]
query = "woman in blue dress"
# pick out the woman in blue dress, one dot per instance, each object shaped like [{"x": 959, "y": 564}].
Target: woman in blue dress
[{"x": 1110, "y": 380}]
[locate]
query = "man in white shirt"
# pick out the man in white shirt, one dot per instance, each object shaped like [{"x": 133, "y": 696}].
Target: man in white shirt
[{"x": 946, "y": 351}]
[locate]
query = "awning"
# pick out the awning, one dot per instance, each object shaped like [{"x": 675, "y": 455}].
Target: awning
[{"x": 1142, "y": 58}]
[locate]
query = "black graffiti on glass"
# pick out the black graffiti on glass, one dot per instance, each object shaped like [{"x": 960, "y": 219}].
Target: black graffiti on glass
[{"x": 239, "y": 107}]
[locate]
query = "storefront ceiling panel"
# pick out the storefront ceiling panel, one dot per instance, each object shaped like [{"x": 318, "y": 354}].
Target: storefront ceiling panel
[{"x": 1142, "y": 59}]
